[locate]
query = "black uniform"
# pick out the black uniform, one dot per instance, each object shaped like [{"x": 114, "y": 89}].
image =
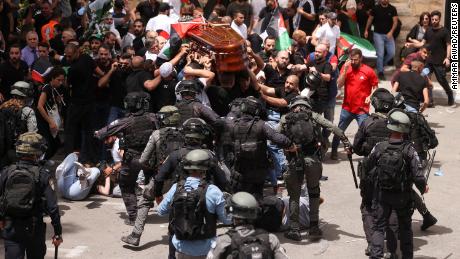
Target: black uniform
[
  {"x": 306, "y": 162},
  {"x": 249, "y": 135},
  {"x": 372, "y": 131},
  {"x": 28, "y": 234},
  {"x": 133, "y": 140},
  {"x": 171, "y": 169},
  {"x": 190, "y": 108},
  {"x": 397, "y": 195}
]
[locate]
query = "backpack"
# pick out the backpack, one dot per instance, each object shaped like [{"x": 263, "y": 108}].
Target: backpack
[
  {"x": 249, "y": 146},
  {"x": 11, "y": 126},
  {"x": 171, "y": 140},
  {"x": 299, "y": 128},
  {"x": 391, "y": 168},
  {"x": 190, "y": 219},
  {"x": 271, "y": 216},
  {"x": 19, "y": 196},
  {"x": 377, "y": 131},
  {"x": 254, "y": 246},
  {"x": 421, "y": 133}
]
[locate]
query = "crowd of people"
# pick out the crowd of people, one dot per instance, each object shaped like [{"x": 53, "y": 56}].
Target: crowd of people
[{"x": 94, "y": 81}]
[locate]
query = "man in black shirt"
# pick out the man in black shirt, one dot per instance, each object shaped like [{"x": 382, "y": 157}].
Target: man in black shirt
[
  {"x": 11, "y": 71},
  {"x": 268, "y": 11},
  {"x": 413, "y": 87},
  {"x": 45, "y": 15},
  {"x": 139, "y": 40},
  {"x": 162, "y": 87},
  {"x": 147, "y": 10},
  {"x": 269, "y": 48},
  {"x": 321, "y": 65},
  {"x": 276, "y": 76},
  {"x": 438, "y": 39},
  {"x": 79, "y": 127},
  {"x": 305, "y": 18},
  {"x": 136, "y": 79},
  {"x": 384, "y": 17}
]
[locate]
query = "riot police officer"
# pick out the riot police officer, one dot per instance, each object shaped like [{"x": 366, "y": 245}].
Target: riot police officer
[
  {"x": 304, "y": 127},
  {"x": 161, "y": 143},
  {"x": 244, "y": 210},
  {"x": 395, "y": 167},
  {"x": 249, "y": 135},
  {"x": 24, "y": 188},
  {"x": 195, "y": 206},
  {"x": 16, "y": 118},
  {"x": 134, "y": 132},
  {"x": 372, "y": 131},
  {"x": 197, "y": 135},
  {"x": 189, "y": 106}
]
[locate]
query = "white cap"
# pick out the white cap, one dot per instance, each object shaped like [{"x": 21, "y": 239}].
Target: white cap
[
  {"x": 166, "y": 69},
  {"x": 351, "y": 4}
]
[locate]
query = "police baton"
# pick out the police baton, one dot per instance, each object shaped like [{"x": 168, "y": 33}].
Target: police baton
[
  {"x": 431, "y": 164},
  {"x": 352, "y": 170},
  {"x": 56, "y": 252}
]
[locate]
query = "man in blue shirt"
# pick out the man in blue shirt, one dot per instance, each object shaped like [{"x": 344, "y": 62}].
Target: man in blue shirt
[{"x": 194, "y": 231}]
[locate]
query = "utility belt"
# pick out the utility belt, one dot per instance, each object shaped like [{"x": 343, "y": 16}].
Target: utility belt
[
  {"x": 130, "y": 154},
  {"x": 22, "y": 226}
]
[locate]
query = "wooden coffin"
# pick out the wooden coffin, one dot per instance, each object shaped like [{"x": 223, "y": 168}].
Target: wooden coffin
[{"x": 225, "y": 46}]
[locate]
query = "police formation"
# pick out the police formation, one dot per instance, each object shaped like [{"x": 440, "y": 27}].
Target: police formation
[{"x": 192, "y": 161}]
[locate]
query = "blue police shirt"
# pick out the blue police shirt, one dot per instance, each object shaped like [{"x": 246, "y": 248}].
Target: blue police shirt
[{"x": 215, "y": 203}]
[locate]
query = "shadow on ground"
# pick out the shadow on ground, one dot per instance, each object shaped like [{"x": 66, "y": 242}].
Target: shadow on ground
[{"x": 163, "y": 241}]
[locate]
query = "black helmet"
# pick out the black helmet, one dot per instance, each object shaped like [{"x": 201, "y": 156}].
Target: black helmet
[
  {"x": 300, "y": 100},
  {"x": 250, "y": 105},
  {"x": 313, "y": 80},
  {"x": 244, "y": 206},
  {"x": 399, "y": 101},
  {"x": 136, "y": 101},
  {"x": 382, "y": 100},
  {"x": 197, "y": 159},
  {"x": 188, "y": 86},
  {"x": 196, "y": 128}
]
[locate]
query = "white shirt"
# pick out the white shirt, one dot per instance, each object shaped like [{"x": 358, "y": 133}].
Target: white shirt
[
  {"x": 159, "y": 22},
  {"x": 332, "y": 34},
  {"x": 115, "y": 151},
  {"x": 241, "y": 30}
]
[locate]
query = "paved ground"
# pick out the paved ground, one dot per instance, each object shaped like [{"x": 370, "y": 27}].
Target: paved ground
[{"x": 92, "y": 228}]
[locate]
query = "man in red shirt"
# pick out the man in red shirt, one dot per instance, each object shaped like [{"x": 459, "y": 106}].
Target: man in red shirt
[{"x": 359, "y": 81}]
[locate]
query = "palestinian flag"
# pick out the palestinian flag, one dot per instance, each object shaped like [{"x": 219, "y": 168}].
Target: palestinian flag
[
  {"x": 177, "y": 33},
  {"x": 99, "y": 8},
  {"x": 40, "y": 68},
  {"x": 353, "y": 42},
  {"x": 277, "y": 28}
]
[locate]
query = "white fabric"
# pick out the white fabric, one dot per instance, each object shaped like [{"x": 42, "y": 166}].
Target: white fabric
[
  {"x": 241, "y": 30},
  {"x": 159, "y": 22},
  {"x": 150, "y": 56},
  {"x": 115, "y": 151},
  {"x": 332, "y": 34}
]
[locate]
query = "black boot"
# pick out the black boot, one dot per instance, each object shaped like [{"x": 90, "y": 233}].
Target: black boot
[
  {"x": 132, "y": 239},
  {"x": 428, "y": 221},
  {"x": 315, "y": 232},
  {"x": 293, "y": 234},
  {"x": 130, "y": 222},
  {"x": 367, "y": 251}
]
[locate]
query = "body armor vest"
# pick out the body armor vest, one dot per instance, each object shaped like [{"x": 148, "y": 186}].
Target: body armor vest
[
  {"x": 186, "y": 109},
  {"x": 250, "y": 144},
  {"x": 377, "y": 131}
]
